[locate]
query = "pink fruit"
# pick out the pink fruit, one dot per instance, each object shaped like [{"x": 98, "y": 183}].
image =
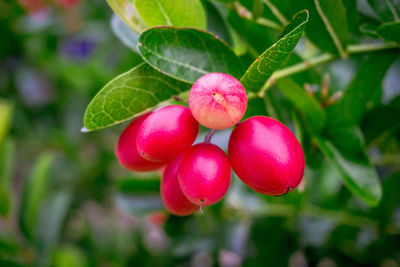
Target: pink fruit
[
  {"x": 166, "y": 133},
  {"x": 266, "y": 156},
  {"x": 127, "y": 153},
  {"x": 204, "y": 174},
  {"x": 171, "y": 193},
  {"x": 217, "y": 100}
]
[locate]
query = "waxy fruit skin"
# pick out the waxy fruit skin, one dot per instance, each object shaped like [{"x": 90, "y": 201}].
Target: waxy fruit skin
[
  {"x": 204, "y": 174},
  {"x": 217, "y": 100},
  {"x": 171, "y": 193},
  {"x": 127, "y": 153},
  {"x": 166, "y": 133},
  {"x": 266, "y": 156}
]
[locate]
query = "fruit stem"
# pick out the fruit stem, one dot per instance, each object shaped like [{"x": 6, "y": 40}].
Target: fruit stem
[
  {"x": 209, "y": 136},
  {"x": 201, "y": 206}
]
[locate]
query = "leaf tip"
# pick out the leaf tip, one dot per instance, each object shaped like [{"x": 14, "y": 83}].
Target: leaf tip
[{"x": 84, "y": 130}]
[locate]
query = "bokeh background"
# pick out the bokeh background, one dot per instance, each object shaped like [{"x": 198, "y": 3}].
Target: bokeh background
[{"x": 65, "y": 200}]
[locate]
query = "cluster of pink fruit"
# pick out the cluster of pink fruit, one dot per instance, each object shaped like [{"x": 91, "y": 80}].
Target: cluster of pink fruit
[{"x": 263, "y": 152}]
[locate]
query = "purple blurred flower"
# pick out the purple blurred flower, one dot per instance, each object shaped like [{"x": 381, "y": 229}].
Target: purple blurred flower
[{"x": 78, "y": 48}]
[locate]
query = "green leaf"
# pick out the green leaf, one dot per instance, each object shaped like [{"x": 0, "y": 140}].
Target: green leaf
[
  {"x": 187, "y": 54},
  {"x": 125, "y": 34},
  {"x": 385, "y": 9},
  {"x": 257, "y": 37},
  {"x": 34, "y": 193},
  {"x": 390, "y": 31},
  {"x": 390, "y": 200},
  {"x": 333, "y": 15},
  {"x": 139, "y": 185},
  {"x": 357, "y": 175},
  {"x": 66, "y": 256},
  {"x": 133, "y": 92},
  {"x": 189, "y": 13},
  {"x": 5, "y": 119},
  {"x": 361, "y": 91},
  {"x": 216, "y": 24},
  {"x": 269, "y": 61},
  {"x": 7, "y": 151},
  {"x": 304, "y": 103},
  {"x": 126, "y": 11},
  {"x": 48, "y": 228}
]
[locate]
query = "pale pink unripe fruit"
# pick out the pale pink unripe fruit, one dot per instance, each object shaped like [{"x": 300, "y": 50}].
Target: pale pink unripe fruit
[
  {"x": 171, "y": 193},
  {"x": 204, "y": 174},
  {"x": 166, "y": 133},
  {"x": 127, "y": 153},
  {"x": 266, "y": 156},
  {"x": 217, "y": 100}
]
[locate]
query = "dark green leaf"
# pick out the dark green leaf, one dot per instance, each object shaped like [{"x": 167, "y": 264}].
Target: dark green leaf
[
  {"x": 304, "y": 103},
  {"x": 352, "y": 106},
  {"x": 7, "y": 150},
  {"x": 257, "y": 37},
  {"x": 333, "y": 14},
  {"x": 269, "y": 61},
  {"x": 34, "y": 193},
  {"x": 258, "y": 8},
  {"x": 139, "y": 185},
  {"x": 135, "y": 91},
  {"x": 387, "y": 10},
  {"x": 390, "y": 199},
  {"x": 216, "y": 23},
  {"x": 390, "y": 31},
  {"x": 358, "y": 176},
  {"x": 255, "y": 106},
  {"x": 178, "y": 13},
  {"x": 187, "y": 54}
]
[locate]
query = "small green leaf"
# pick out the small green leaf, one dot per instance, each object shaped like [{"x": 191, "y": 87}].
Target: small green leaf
[
  {"x": 390, "y": 31},
  {"x": 187, "y": 54},
  {"x": 189, "y": 13},
  {"x": 133, "y": 92},
  {"x": 304, "y": 103},
  {"x": 5, "y": 119},
  {"x": 269, "y": 61},
  {"x": 34, "y": 193},
  {"x": 126, "y": 11},
  {"x": 7, "y": 151},
  {"x": 361, "y": 91},
  {"x": 357, "y": 175}
]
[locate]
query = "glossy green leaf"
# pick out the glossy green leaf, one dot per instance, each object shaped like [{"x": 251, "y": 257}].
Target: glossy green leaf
[
  {"x": 34, "y": 193},
  {"x": 361, "y": 91},
  {"x": 390, "y": 31},
  {"x": 126, "y": 11},
  {"x": 387, "y": 10},
  {"x": 269, "y": 61},
  {"x": 133, "y": 92},
  {"x": 187, "y": 54},
  {"x": 216, "y": 23},
  {"x": 7, "y": 151},
  {"x": 178, "y": 13},
  {"x": 357, "y": 175},
  {"x": 304, "y": 103}
]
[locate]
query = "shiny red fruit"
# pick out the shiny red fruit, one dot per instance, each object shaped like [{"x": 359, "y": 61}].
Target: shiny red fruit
[
  {"x": 204, "y": 174},
  {"x": 171, "y": 193},
  {"x": 217, "y": 100},
  {"x": 127, "y": 153},
  {"x": 266, "y": 156},
  {"x": 166, "y": 133}
]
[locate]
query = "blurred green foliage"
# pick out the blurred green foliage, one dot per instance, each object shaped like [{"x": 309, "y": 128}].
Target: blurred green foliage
[{"x": 65, "y": 201}]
